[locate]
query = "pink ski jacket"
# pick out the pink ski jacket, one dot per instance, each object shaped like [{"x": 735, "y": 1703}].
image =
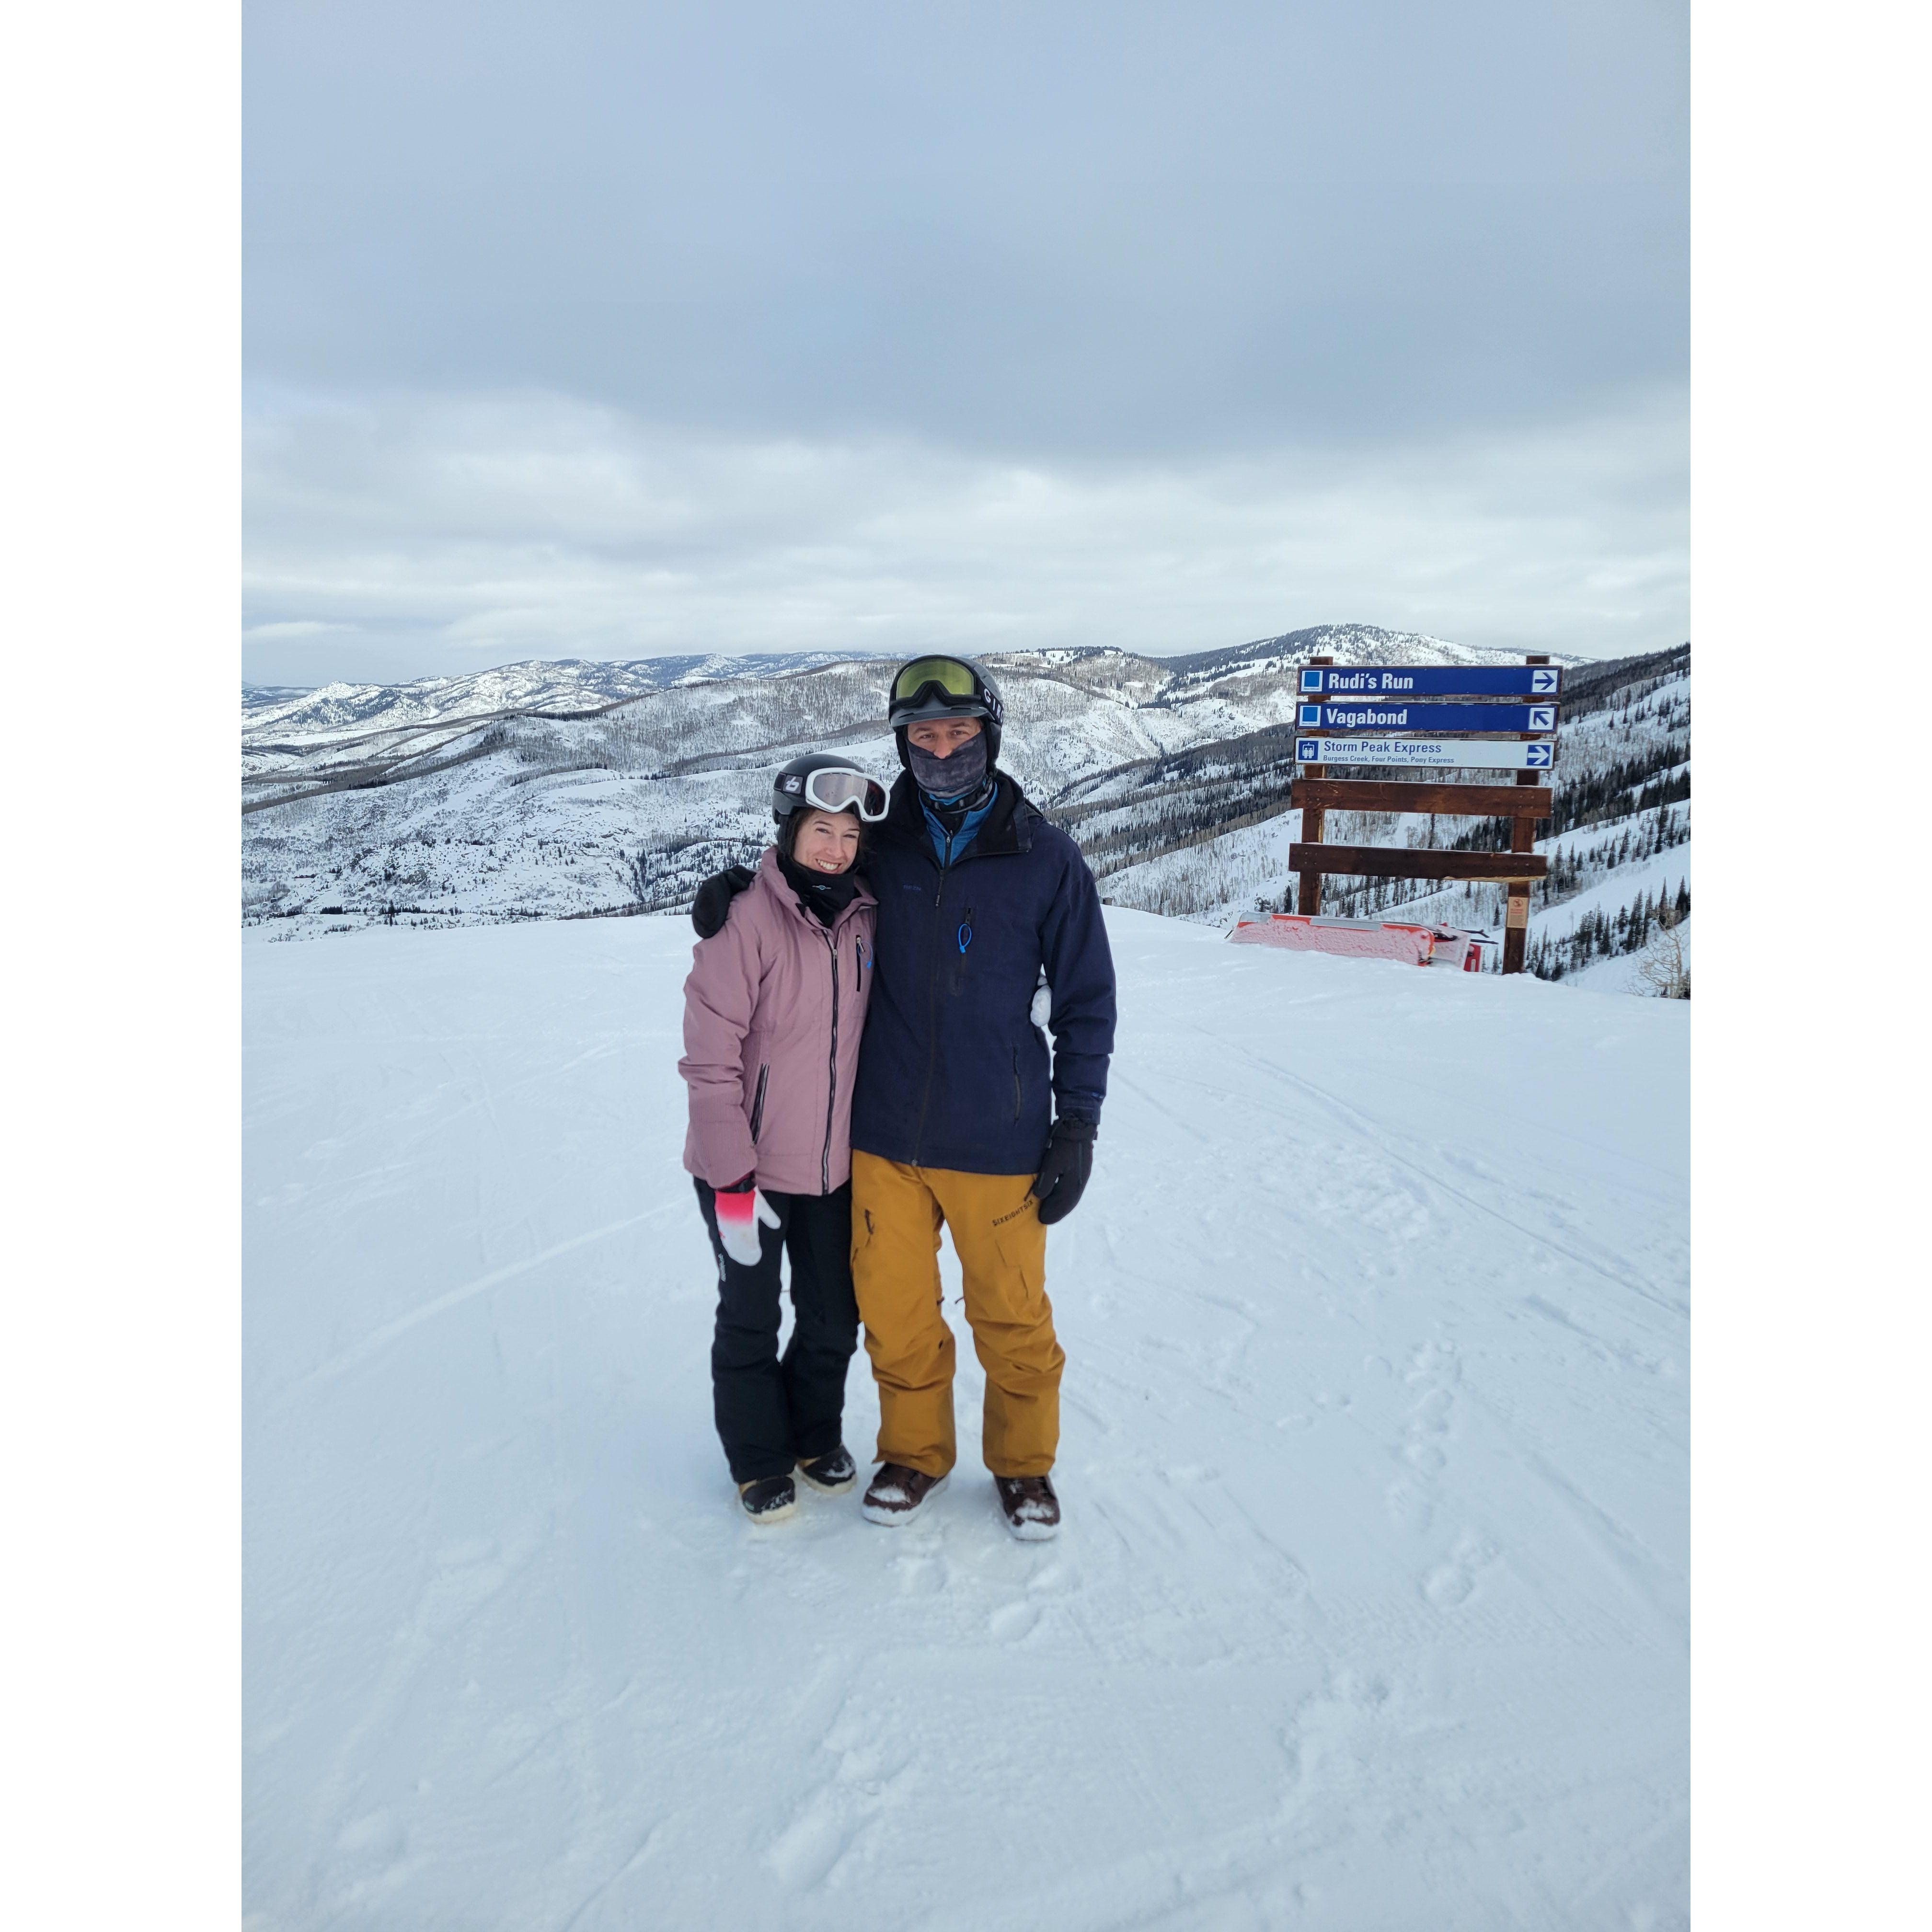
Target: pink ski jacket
[{"x": 773, "y": 1010}]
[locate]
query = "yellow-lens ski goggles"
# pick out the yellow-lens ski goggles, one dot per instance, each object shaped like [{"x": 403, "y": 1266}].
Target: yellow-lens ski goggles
[{"x": 954, "y": 679}]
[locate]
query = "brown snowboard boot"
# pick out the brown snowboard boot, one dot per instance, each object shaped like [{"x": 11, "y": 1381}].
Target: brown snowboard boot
[
  {"x": 897, "y": 1494},
  {"x": 1031, "y": 1509}
]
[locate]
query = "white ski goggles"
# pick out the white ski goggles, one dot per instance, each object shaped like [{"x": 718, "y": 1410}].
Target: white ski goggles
[{"x": 840, "y": 788}]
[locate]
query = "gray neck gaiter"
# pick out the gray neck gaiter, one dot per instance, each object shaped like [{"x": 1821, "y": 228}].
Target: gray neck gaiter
[{"x": 945, "y": 779}]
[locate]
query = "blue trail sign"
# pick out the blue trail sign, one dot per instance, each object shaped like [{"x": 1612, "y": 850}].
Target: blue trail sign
[
  {"x": 1474, "y": 753},
  {"x": 1431, "y": 681},
  {"x": 1425, "y": 717}
]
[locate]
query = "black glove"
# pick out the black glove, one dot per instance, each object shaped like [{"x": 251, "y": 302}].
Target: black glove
[
  {"x": 713, "y": 906},
  {"x": 1062, "y": 1178}
]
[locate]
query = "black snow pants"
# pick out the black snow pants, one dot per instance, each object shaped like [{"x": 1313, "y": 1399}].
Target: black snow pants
[{"x": 772, "y": 1411}]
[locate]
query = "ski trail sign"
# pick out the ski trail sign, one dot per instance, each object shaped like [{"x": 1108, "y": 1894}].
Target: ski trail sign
[
  {"x": 1430, "y": 681},
  {"x": 1386, "y": 729},
  {"x": 1473, "y": 754},
  {"x": 1425, "y": 719}
]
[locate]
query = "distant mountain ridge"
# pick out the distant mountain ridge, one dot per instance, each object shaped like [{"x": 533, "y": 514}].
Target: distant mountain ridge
[
  {"x": 535, "y": 684},
  {"x": 1354, "y": 643},
  {"x": 567, "y": 685}
]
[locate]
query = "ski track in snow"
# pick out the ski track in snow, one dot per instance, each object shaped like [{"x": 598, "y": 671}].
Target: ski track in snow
[{"x": 1371, "y": 1609}]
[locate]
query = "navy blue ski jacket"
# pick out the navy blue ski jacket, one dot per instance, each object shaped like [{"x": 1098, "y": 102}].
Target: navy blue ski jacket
[{"x": 952, "y": 1073}]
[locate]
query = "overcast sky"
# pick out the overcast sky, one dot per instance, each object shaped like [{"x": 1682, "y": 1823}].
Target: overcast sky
[{"x": 604, "y": 331}]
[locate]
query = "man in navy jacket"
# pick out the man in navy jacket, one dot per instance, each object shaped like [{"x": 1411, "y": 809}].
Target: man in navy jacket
[{"x": 989, "y": 937}]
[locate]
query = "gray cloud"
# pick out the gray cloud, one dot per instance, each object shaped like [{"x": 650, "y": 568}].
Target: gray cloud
[
  {"x": 1189, "y": 257},
  {"x": 452, "y": 533}
]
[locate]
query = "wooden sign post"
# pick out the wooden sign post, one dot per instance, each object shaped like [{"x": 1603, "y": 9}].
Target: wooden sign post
[
  {"x": 1516, "y": 920},
  {"x": 1314, "y": 792},
  {"x": 1308, "y": 884}
]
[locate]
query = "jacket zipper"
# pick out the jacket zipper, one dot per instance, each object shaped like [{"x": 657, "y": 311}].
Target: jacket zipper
[
  {"x": 977, "y": 849},
  {"x": 758, "y": 1101},
  {"x": 931, "y": 1016},
  {"x": 832, "y": 1080},
  {"x": 1018, "y": 1099}
]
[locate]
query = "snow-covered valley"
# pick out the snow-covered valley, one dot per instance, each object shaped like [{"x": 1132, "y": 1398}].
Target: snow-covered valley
[
  {"x": 572, "y": 790},
  {"x": 1371, "y": 1609}
]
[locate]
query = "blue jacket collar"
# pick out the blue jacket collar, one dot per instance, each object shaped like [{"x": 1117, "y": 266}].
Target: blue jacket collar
[{"x": 950, "y": 846}]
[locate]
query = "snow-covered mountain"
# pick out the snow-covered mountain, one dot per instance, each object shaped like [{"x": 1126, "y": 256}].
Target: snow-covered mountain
[{"x": 550, "y": 790}]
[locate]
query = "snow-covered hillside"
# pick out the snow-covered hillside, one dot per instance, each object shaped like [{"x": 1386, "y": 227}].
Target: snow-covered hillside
[
  {"x": 1370, "y": 1611},
  {"x": 556, "y": 791}
]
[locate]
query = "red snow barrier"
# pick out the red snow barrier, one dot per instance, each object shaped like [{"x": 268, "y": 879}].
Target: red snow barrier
[{"x": 1366, "y": 939}]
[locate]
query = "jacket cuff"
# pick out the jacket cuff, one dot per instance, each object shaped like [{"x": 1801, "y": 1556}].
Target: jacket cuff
[{"x": 724, "y": 1147}]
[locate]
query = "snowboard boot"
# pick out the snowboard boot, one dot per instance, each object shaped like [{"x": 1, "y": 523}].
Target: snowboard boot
[
  {"x": 831, "y": 1474},
  {"x": 769, "y": 1499},
  {"x": 1031, "y": 1509},
  {"x": 897, "y": 1494}
]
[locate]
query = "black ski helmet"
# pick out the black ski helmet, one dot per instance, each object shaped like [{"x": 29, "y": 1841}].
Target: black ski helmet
[
  {"x": 941, "y": 684},
  {"x": 789, "y": 789}
]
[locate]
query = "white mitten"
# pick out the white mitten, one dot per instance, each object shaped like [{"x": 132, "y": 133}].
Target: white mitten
[{"x": 739, "y": 1215}]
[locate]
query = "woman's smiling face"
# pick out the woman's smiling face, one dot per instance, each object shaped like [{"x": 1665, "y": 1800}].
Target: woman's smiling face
[{"x": 826, "y": 841}]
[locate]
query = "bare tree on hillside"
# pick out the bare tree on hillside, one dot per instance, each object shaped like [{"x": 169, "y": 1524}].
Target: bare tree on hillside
[{"x": 1663, "y": 968}]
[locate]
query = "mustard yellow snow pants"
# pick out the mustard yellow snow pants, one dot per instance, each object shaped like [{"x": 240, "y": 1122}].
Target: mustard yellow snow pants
[{"x": 897, "y": 1212}]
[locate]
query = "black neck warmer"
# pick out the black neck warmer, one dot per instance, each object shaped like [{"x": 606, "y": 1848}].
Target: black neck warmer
[
  {"x": 957, "y": 779},
  {"x": 824, "y": 895},
  {"x": 951, "y": 812}
]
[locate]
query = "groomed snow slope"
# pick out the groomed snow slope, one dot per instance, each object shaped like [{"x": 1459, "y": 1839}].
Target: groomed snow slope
[{"x": 1370, "y": 1612}]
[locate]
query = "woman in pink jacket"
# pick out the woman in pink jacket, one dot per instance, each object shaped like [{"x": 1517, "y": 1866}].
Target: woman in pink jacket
[{"x": 773, "y": 1011}]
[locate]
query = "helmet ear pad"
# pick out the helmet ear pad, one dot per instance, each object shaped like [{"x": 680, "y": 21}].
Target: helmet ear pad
[{"x": 986, "y": 724}]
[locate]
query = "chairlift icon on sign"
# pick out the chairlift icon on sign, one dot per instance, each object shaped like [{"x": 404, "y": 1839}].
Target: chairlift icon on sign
[{"x": 1307, "y": 751}]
